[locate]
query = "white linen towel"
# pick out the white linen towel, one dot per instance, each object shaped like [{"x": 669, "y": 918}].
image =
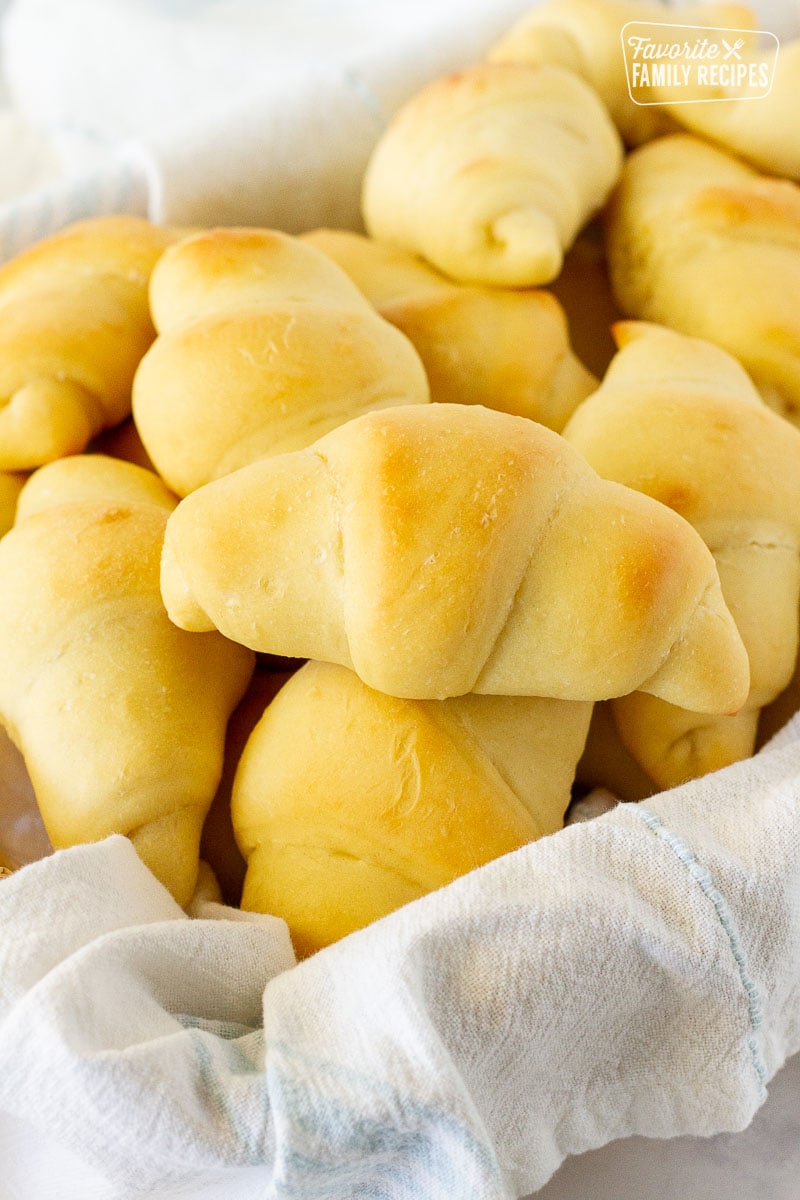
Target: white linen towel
[{"x": 639, "y": 973}]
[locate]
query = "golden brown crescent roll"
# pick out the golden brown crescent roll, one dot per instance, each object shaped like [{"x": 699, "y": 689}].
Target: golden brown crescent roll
[
  {"x": 348, "y": 803},
  {"x": 92, "y": 477},
  {"x": 699, "y": 241},
  {"x": 264, "y": 345},
  {"x": 119, "y": 715},
  {"x": 607, "y": 763},
  {"x": 679, "y": 419},
  {"x": 763, "y": 130},
  {"x": 74, "y": 323},
  {"x": 585, "y": 37},
  {"x": 442, "y": 549},
  {"x": 505, "y": 349},
  {"x": 490, "y": 173}
]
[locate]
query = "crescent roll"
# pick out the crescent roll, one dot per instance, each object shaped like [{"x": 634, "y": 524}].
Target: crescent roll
[
  {"x": 348, "y": 803},
  {"x": 699, "y": 241},
  {"x": 120, "y": 716},
  {"x": 442, "y": 549},
  {"x": 491, "y": 173},
  {"x": 264, "y": 345},
  {"x": 607, "y": 764},
  {"x": 74, "y": 323},
  {"x": 505, "y": 349},
  {"x": 679, "y": 419},
  {"x": 584, "y": 36},
  {"x": 99, "y": 477},
  {"x": 762, "y": 130}
]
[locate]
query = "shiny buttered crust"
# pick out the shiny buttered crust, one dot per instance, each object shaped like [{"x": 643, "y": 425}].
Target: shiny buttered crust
[
  {"x": 348, "y": 803},
  {"x": 505, "y": 349},
  {"x": 491, "y": 173},
  {"x": 120, "y": 715},
  {"x": 444, "y": 549},
  {"x": 74, "y": 323},
  {"x": 264, "y": 345},
  {"x": 679, "y": 419},
  {"x": 699, "y": 241}
]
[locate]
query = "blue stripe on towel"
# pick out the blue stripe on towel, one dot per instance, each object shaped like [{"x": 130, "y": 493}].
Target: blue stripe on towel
[
  {"x": 702, "y": 877},
  {"x": 310, "y": 1118},
  {"x": 395, "y": 1131}
]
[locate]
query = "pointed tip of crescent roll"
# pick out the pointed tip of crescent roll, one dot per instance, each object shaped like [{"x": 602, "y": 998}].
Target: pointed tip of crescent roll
[
  {"x": 179, "y": 598},
  {"x": 707, "y": 670},
  {"x": 532, "y": 238}
]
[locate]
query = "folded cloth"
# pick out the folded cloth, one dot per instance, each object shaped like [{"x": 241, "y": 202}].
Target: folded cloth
[
  {"x": 636, "y": 974},
  {"x": 169, "y": 60},
  {"x": 285, "y": 147}
]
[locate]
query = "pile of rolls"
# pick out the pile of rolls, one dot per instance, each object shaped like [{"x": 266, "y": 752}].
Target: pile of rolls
[{"x": 349, "y": 561}]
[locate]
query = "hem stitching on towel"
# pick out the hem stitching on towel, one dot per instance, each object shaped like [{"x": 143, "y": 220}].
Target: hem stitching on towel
[{"x": 704, "y": 880}]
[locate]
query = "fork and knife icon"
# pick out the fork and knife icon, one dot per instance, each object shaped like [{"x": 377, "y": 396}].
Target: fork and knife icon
[{"x": 733, "y": 50}]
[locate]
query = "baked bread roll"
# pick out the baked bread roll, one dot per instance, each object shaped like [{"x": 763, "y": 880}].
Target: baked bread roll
[
  {"x": 119, "y": 715},
  {"x": 348, "y": 803},
  {"x": 762, "y": 130},
  {"x": 491, "y": 173},
  {"x": 442, "y": 549},
  {"x": 264, "y": 345},
  {"x": 584, "y": 36},
  {"x": 699, "y": 241},
  {"x": 679, "y": 419},
  {"x": 606, "y": 763},
  {"x": 505, "y": 349},
  {"x": 74, "y": 323},
  {"x": 99, "y": 477}
]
